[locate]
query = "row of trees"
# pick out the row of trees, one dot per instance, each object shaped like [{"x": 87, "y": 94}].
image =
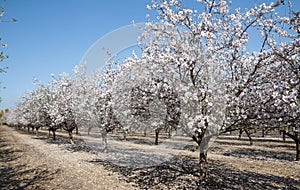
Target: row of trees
[{"x": 197, "y": 73}]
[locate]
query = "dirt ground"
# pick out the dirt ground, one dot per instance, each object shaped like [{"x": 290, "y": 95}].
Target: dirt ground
[{"x": 28, "y": 161}]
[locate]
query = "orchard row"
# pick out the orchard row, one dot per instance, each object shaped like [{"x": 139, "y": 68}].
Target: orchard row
[{"x": 204, "y": 72}]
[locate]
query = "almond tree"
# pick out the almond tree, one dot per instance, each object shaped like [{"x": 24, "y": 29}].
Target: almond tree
[
  {"x": 203, "y": 54},
  {"x": 92, "y": 101},
  {"x": 289, "y": 54},
  {"x": 33, "y": 110},
  {"x": 270, "y": 100},
  {"x": 142, "y": 101},
  {"x": 286, "y": 79},
  {"x": 63, "y": 106}
]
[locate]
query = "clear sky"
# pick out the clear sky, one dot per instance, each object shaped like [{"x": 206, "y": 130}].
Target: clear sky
[{"x": 52, "y": 36}]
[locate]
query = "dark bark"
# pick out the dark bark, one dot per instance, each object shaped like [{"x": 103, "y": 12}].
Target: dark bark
[
  {"x": 145, "y": 131},
  {"x": 104, "y": 139},
  {"x": 52, "y": 129},
  {"x": 202, "y": 156},
  {"x": 69, "y": 126},
  {"x": 89, "y": 130},
  {"x": 125, "y": 134},
  {"x": 156, "y": 136},
  {"x": 283, "y": 134},
  {"x": 240, "y": 134},
  {"x": 71, "y": 137},
  {"x": 249, "y": 136},
  {"x": 54, "y": 135},
  {"x": 77, "y": 131},
  {"x": 295, "y": 137},
  {"x": 37, "y": 131},
  {"x": 298, "y": 150},
  {"x": 202, "y": 165}
]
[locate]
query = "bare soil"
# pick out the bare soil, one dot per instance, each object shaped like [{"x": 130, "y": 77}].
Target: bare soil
[
  {"x": 28, "y": 161},
  {"x": 31, "y": 162}
]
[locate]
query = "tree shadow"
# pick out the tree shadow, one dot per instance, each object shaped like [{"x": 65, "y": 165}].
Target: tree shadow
[
  {"x": 183, "y": 173},
  {"x": 81, "y": 146},
  {"x": 236, "y": 140},
  {"x": 20, "y": 176},
  {"x": 233, "y": 142},
  {"x": 161, "y": 176},
  {"x": 288, "y": 146},
  {"x": 227, "y": 178},
  {"x": 137, "y": 140},
  {"x": 255, "y": 154},
  {"x": 133, "y": 157}
]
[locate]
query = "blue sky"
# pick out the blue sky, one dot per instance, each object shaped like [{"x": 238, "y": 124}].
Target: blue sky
[{"x": 52, "y": 36}]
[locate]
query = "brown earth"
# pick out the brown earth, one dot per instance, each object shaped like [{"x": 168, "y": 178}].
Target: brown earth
[{"x": 28, "y": 161}]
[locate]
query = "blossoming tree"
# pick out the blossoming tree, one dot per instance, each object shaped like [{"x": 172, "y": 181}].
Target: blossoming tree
[{"x": 205, "y": 57}]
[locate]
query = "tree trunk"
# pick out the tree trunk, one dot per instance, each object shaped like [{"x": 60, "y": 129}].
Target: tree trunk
[
  {"x": 37, "y": 131},
  {"x": 283, "y": 135},
  {"x": 249, "y": 136},
  {"x": 298, "y": 150},
  {"x": 240, "y": 134},
  {"x": 54, "y": 136},
  {"x": 296, "y": 138},
  {"x": 202, "y": 165},
  {"x": 77, "y": 131},
  {"x": 145, "y": 131},
  {"x": 89, "y": 130},
  {"x": 263, "y": 133},
  {"x": 156, "y": 136},
  {"x": 125, "y": 134},
  {"x": 71, "y": 137},
  {"x": 104, "y": 140}
]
